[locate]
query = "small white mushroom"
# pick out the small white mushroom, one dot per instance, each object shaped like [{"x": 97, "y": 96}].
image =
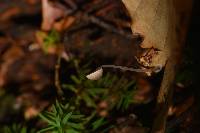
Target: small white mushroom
[
  {"x": 95, "y": 75},
  {"x": 98, "y": 73}
]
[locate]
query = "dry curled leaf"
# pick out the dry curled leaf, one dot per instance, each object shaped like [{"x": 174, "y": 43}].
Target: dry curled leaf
[
  {"x": 156, "y": 22},
  {"x": 151, "y": 20}
]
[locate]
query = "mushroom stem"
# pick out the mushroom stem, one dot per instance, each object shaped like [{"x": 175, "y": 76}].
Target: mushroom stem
[
  {"x": 99, "y": 72},
  {"x": 125, "y": 68}
]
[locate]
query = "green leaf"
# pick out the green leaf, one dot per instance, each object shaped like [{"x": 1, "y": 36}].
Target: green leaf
[
  {"x": 95, "y": 91},
  {"x": 50, "y": 115},
  {"x": 71, "y": 131},
  {"x": 50, "y": 122},
  {"x": 77, "y": 116},
  {"x": 50, "y": 128},
  {"x": 98, "y": 123},
  {"x": 120, "y": 103},
  {"x": 58, "y": 121},
  {"x": 89, "y": 102},
  {"x": 130, "y": 84},
  {"x": 76, "y": 125},
  {"x": 75, "y": 79},
  {"x": 127, "y": 101},
  {"x": 52, "y": 38},
  {"x": 106, "y": 80},
  {"x": 60, "y": 111},
  {"x": 24, "y": 130},
  {"x": 70, "y": 87},
  {"x": 66, "y": 118},
  {"x": 54, "y": 110},
  {"x": 65, "y": 107}
]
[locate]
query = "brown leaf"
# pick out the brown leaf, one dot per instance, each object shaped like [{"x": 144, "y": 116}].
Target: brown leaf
[
  {"x": 50, "y": 13},
  {"x": 151, "y": 20},
  {"x": 64, "y": 23},
  {"x": 7, "y": 14},
  {"x": 8, "y": 58},
  {"x": 178, "y": 110},
  {"x": 31, "y": 112},
  {"x": 156, "y": 21}
]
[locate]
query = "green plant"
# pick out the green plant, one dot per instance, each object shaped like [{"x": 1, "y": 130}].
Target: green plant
[
  {"x": 119, "y": 87},
  {"x": 52, "y": 38},
  {"x": 91, "y": 92},
  {"x": 85, "y": 90},
  {"x": 62, "y": 119},
  {"x": 84, "y": 96},
  {"x": 17, "y": 128},
  {"x": 125, "y": 100},
  {"x": 49, "y": 40},
  {"x": 98, "y": 123}
]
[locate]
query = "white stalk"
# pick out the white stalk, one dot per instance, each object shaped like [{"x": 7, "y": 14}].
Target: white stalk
[{"x": 98, "y": 73}]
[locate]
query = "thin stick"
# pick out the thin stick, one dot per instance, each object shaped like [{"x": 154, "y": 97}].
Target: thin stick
[
  {"x": 57, "y": 79},
  {"x": 164, "y": 98},
  {"x": 107, "y": 26},
  {"x": 99, "y": 22}
]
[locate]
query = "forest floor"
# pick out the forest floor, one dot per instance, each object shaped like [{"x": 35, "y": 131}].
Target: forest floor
[{"x": 47, "y": 50}]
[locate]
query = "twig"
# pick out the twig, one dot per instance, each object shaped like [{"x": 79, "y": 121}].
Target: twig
[
  {"x": 98, "y": 5},
  {"x": 164, "y": 98},
  {"x": 107, "y": 26},
  {"x": 92, "y": 18},
  {"x": 57, "y": 79},
  {"x": 71, "y": 3}
]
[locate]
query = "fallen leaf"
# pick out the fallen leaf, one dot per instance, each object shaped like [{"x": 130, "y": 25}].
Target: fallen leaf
[
  {"x": 179, "y": 109},
  {"x": 156, "y": 22},
  {"x": 8, "y": 58},
  {"x": 50, "y": 12},
  {"x": 64, "y": 23},
  {"x": 9, "y": 13},
  {"x": 31, "y": 112},
  {"x": 151, "y": 19}
]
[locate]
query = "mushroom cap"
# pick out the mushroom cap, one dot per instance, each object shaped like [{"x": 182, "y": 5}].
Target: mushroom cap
[{"x": 95, "y": 75}]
